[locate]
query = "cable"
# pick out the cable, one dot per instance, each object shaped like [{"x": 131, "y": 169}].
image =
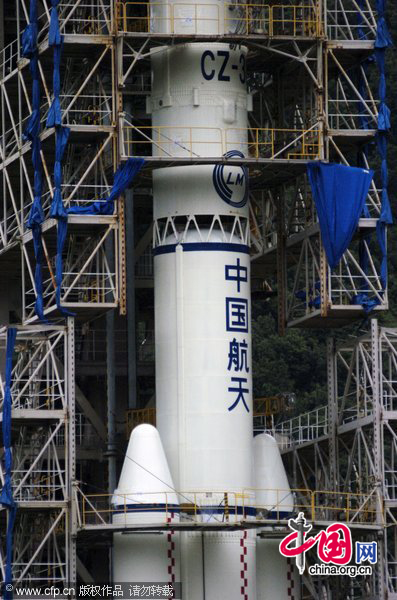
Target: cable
[{"x": 156, "y": 477}]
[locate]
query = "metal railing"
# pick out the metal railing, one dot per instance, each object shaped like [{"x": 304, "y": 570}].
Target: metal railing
[
  {"x": 301, "y": 20},
  {"x": 347, "y": 286},
  {"x": 353, "y": 24},
  {"x": 75, "y": 17},
  {"x": 144, "y": 264},
  {"x": 86, "y": 109},
  {"x": 38, "y": 484},
  {"x": 228, "y": 507},
  {"x": 84, "y": 433},
  {"x": 44, "y": 393},
  {"x": 93, "y": 109},
  {"x": 88, "y": 18},
  {"x": 174, "y": 141},
  {"x": 92, "y": 346},
  {"x": 350, "y": 114},
  {"x": 303, "y": 428},
  {"x": 9, "y": 58}
]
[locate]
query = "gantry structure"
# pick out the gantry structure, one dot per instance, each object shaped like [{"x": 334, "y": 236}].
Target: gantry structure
[
  {"x": 349, "y": 446},
  {"x": 314, "y": 95}
]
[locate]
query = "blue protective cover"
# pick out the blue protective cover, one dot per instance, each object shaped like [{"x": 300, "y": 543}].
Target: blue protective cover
[
  {"x": 339, "y": 193},
  {"x": 6, "y": 497},
  {"x": 32, "y": 133},
  {"x": 123, "y": 178}
]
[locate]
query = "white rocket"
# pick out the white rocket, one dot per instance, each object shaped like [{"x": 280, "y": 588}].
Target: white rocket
[
  {"x": 199, "y": 105},
  {"x": 202, "y": 309}
]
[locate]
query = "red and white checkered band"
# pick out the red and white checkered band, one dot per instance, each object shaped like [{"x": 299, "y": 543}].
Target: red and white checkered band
[
  {"x": 291, "y": 580},
  {"x": 171, "y": 551},
  {"x": 244, "y": 566}
]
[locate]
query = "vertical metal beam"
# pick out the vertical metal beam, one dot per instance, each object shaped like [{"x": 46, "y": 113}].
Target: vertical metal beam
[
  {"x": 131, "y": 328},
  {"x": 2, "y": 44},
  {"x": 332, "y": 413},
  {"x": 111, "y": 381},
  {"x": 71, "y": 518},
  {"x": 323, "y": 280},
  {"x": 121, "y": 251},
  {"x": 281, "y": 263},
  {"x": 378, "y": 454}
]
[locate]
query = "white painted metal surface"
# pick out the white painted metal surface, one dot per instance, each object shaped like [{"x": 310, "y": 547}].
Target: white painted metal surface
[
  {"x": 199, "y": 100},
  {"x": 275, "y": 576},
  {"x": 208, "y": 443},
  {"x": 273, "y": 493},
  {"x": 145, "y": 494},
  {"x": 199, "y": 107},
  {"x": 208, "y": 17}
]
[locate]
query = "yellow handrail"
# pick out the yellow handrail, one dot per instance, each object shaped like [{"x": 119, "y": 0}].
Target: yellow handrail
[
  {"x": 280, "y": 19},
  {"x": 318, "y": 505},
  {"x": 256, "y": 142}
]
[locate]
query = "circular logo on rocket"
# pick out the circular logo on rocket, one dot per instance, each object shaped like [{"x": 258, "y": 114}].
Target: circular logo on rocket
[{"x": 231, "y": 181}]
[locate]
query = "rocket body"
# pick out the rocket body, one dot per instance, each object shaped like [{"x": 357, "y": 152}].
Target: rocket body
[
  {"x": 202, "y": 308},
  {"x": 204, "y": 407}
]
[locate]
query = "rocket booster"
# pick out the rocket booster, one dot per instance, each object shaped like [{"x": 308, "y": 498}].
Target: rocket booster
[
  {"x": 145, "y": 494},
  {"x": 276, "y": 577}
]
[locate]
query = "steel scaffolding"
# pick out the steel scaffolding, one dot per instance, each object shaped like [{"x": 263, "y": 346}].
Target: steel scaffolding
[
  {"x": 349, "y": 445},
  {"x": 314, "y": 95}
]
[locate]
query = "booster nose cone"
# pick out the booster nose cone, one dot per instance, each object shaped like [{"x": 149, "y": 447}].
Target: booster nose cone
[
  {"x": 145, "y": 476},
  {"x": 273, "y": 493}
]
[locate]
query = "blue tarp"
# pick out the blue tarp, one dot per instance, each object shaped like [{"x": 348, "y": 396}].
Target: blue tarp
[
  {"x": 54, "y": 34},
  {"x": 339, "y": 193},
  {"x": 383, "y": 41},
  {"x": 383, "y": 38},
  {"x": 360, "y": 20},
  {"x": 54, "y": 119},
  {"x": 123, "y": 178},
  {"x": 29, "y": 35},
  {"x": 6, "y": 497},
  {"x": 58, "y": 211},
  {"x": 61, "y": 139},
  {"x": 32, "y": 133}
]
